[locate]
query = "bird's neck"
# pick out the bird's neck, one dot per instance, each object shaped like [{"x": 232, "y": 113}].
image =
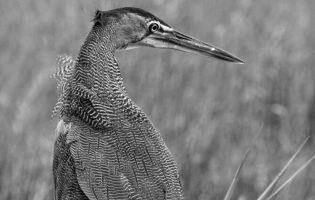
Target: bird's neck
[{"x": 97, "y": 68}]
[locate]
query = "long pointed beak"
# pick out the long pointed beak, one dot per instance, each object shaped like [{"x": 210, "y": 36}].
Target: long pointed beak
[{"x": 172, "y": 39}]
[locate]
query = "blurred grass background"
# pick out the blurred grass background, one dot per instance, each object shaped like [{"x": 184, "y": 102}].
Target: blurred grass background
[{"x": 207, "y": 111}]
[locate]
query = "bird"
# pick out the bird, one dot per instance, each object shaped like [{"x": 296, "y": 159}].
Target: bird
[{"x": 106, "y": 146}]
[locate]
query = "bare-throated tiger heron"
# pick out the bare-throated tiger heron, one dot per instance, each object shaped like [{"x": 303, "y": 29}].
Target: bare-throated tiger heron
[{"x": 107, "y": 148}]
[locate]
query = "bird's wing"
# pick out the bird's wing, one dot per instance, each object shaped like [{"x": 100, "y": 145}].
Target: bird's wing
[
  {"x": 97, "y": 164},
  {"x": 65, "y": 177},
  {"x": 122, "y": 164}
]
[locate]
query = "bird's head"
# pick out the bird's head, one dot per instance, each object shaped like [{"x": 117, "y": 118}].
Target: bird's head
[{"x": 134, "y": 27}]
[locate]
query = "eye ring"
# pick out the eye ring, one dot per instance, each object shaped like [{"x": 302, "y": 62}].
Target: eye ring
[{"x": 153, "y": 27}]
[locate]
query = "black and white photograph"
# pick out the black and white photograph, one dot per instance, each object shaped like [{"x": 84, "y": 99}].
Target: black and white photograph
[{"x": 157, "y": 100}]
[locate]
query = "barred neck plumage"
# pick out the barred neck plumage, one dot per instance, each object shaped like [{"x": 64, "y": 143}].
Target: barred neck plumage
[{"x": 97, "y": 68}]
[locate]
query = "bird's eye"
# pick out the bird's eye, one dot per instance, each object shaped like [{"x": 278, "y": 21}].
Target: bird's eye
[{"x": 154, "y": 27}]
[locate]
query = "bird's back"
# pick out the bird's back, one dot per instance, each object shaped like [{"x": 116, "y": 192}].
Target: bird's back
[{"x": 127, "y": 161}]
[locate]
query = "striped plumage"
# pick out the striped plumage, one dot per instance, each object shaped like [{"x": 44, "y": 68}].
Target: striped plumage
[
  {"x": 64, "y": 69},
  {"x": 118, "y": 153},
  {"x": 107, "y": 147},
  {"x": 65, "y": 179}
]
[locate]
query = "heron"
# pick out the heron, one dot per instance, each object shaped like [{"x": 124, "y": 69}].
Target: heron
[{"x": 107, "y": 147}]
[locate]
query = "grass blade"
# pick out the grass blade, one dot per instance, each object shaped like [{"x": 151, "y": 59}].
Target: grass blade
[
  {"x": 232, "y": 186},
  {"x": 280, "y": 174},
  {"x": 291, "y": 178}
]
